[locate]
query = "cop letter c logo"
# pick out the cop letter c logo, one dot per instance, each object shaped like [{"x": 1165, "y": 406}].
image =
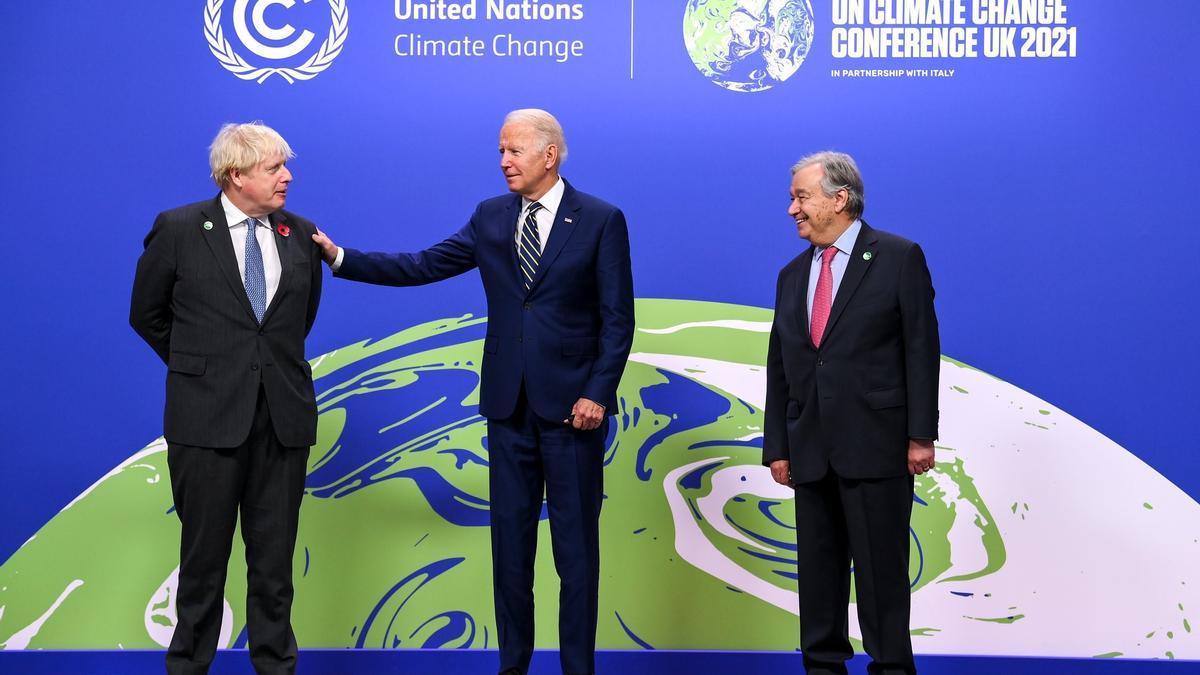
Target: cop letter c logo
[
  {"x": 233, "y": 62},
  {"x": 260, "y": 25}
]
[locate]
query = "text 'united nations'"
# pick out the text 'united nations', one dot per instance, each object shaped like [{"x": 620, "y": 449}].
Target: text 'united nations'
[{"x": 522, "y": 10}]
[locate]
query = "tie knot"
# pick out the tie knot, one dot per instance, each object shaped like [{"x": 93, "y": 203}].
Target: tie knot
[
  {"x": 251, "y": 223},
  {"x": 534, "y": 207},
  {"x": 827, "y": 255}
]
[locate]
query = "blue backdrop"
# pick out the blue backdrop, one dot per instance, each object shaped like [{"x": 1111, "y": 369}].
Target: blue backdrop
[{"x": 1051, "y": 196}]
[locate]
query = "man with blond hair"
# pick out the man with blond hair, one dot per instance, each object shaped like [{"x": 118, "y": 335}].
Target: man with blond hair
[
  {"x": 555, "y": 268},
  {"x": 225, "y": 292}
]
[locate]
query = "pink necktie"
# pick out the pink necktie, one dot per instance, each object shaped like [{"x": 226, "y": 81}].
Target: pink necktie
[{"x": 823, "y": 299}]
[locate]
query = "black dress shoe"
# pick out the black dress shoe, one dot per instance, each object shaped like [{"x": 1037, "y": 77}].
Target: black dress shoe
[{"x": 511, "y": 671}]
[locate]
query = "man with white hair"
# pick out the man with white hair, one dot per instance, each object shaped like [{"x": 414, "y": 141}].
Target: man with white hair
[
  {"x": 555, "y": 267},
  {"x": 851, "y": 414},
  {"x": 225, "y": 293}
]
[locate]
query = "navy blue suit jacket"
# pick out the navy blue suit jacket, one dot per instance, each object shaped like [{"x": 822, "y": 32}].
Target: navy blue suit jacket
[
  {"x": 854, "y": 402},
  {"x": 569, "y": 335}
]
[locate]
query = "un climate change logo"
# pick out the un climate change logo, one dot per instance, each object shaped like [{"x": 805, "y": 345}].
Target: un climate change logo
[
  {"x": 285, "y": 45},
  {"x": 748, "y": 45}
]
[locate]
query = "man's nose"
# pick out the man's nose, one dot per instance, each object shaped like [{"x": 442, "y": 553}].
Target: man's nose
[{"x": 286, "y": 175}]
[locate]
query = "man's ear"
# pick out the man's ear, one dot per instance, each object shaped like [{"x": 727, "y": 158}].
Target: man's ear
[
  {"x": 551, "y": 155},
  {"x": 236, "y": 178},
  {"x": 841, "y": 199}
]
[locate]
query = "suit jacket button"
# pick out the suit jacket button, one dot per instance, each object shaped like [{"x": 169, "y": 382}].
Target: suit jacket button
[
  {"x": 520, "y": 339},
  {"x": 528, "y": 305},
  {"x": 820, "y": 362},
  {"x": 254, "y": 366},
  {"x": 262, "y": 332}
]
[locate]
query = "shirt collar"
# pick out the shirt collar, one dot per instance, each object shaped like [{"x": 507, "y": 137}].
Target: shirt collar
[
  {"x": 844, "y": 243},
  {"x": 234, "y": 215},
  {"x": 550, "y": 200}
]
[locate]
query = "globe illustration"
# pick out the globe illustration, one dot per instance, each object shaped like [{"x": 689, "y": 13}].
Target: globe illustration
[
  {"x": 394, "y": 551},
  {"x": 748, "y": 45}
]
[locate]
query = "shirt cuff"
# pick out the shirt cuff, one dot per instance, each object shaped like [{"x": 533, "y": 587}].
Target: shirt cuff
[{"x": 337, "y": 262}]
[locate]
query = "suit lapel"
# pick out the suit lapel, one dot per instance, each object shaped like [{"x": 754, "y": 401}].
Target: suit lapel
[
  {"x": 285, "y": 249},
  {"x": 856, "y": 269},
  {"x": 565, "y": 222},
  {"x": 512, "y": 218},
  {"x": 220, "y": 242},
  {"x": 803, "y": 270}
]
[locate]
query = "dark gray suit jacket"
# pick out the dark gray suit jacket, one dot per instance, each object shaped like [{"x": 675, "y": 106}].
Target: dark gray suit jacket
[
  {"x": 189, "y": 304},
  {"x": 854, "y": 403}
]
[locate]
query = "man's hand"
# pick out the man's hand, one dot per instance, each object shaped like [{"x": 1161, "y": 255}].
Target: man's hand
[
  {"x": 781, "y": 471},
  {"x": 328, "y": 248},
  {"x": 586, "y": 415},
  {"x": 920, "y": 456}
]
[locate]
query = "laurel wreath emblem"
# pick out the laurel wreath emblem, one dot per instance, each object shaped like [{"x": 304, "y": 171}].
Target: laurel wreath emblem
[{"x": 234, "y": 63}]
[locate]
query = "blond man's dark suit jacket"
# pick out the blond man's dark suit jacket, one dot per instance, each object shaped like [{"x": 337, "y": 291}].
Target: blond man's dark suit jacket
[{"x": 189, "y": 304}]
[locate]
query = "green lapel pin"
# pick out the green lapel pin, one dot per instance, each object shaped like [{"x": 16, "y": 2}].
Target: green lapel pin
[
  {"x": 867, "y": 255},
  {"x": 208, "y": 224}
]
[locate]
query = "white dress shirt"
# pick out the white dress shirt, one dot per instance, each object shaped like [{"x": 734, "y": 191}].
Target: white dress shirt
[
  {"x": 266, "y": 243},
  {"x": 544, "y": 216}
]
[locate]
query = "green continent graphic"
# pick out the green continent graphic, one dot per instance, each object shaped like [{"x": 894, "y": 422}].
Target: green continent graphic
[
  {"x": 394, "y": 550},
  {"x": 747, "y": 45}
]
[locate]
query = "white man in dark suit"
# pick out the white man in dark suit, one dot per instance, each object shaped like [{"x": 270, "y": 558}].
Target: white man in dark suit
[
  {"x": 225, "y": 292},
  {"x": 555, "y": 266},
  {"x": 851, "y": 414}
]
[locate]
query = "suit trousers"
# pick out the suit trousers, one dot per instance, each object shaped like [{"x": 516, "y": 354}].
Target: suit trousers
[
  {"x": 529, "y": 457},
  {"x": 842, "y": 522},
  {"x": 266, "y": 480}
]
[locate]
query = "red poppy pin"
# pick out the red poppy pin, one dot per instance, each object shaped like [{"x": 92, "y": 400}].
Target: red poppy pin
[{"x": 283, "y": 229}]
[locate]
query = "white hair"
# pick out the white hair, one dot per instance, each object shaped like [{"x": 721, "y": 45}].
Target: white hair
[
  {"x": 545, "y": 127},
  {"x": 841, "y": 173}
]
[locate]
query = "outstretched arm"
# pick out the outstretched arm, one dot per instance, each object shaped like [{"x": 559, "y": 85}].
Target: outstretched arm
[{"x": 448, "y": 258}]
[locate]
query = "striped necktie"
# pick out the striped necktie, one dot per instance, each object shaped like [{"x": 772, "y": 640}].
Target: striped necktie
[
  {"x": 529, "y": 250},
  {"x": 256, "y": 278}
]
